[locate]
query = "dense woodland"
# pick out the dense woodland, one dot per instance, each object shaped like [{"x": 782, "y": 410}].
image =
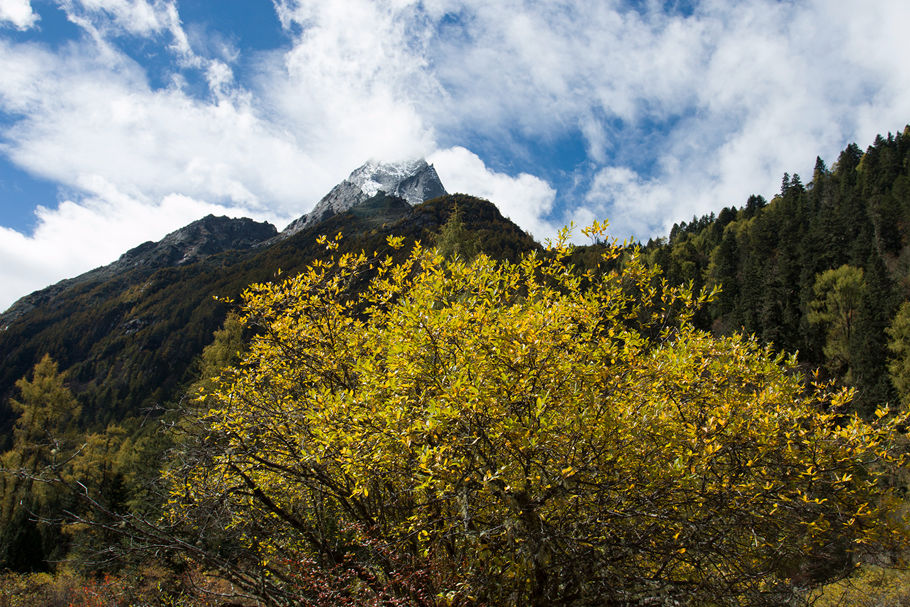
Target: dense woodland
[
  {"x": 822, "y": 269},
  {"x": 96, "y": 382}
]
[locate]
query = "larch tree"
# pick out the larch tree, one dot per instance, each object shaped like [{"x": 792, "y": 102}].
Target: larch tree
[
  {"x": 43, "y": 438},
  {"x": 838, "y": 298}
]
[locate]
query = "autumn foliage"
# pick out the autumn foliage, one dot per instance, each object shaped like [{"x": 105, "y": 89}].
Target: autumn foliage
[{"x": 480, "y": 432}]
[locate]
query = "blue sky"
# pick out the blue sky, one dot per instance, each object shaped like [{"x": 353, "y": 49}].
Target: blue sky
[{"x": 122, "y": 120}]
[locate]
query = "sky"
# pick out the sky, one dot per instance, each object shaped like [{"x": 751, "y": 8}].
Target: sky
[{"x": 123, "y": 120}]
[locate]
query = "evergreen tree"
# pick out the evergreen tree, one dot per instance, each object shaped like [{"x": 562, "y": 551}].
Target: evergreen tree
[
  {"x": 899, "y": 345},
  {"x": 839, "y": 296},
  {"x": 753, "y": 205},
  {"x": 454, "y": 239},
  {"x": 820, "y": 170},
  {"x": 722, "y": 272},
  {"x": 44, "y": 438}
]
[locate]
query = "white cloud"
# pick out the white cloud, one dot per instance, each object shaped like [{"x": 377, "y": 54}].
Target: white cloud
[
  {"x": 680, "y": 114},
  {"x": 635, "y": 204},
  {"x": 525, "y": 199},
  {"x": 19, "y": 13},
  {"x": 137, "y": 17},
  {"x": 105, "y": 20},
  {"x": 546, "y": 68},
  {"x": 84, "y": 119},
  {"x": 875, "y": 44},
  {"x": 349, "y": 87}
]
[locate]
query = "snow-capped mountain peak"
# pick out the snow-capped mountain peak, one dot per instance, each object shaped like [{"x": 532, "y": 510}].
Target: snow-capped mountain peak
[
  {"x": 414, "y": 181},
  {"x": 375, "y": 176}
]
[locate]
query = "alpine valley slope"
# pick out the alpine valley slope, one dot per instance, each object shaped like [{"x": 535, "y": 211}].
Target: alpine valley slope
[{"x": 128, "y": 333}]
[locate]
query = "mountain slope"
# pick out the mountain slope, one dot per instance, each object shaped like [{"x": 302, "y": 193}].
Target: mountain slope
[
  {"x": 128, "y": 334},
  {"x": 207, "y": 236}
]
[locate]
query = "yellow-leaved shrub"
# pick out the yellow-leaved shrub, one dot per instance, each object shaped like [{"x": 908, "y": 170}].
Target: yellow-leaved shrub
[{"x": 526, "y": 434}]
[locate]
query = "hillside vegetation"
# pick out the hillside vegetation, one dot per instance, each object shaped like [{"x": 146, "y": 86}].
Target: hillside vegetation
[
  {"x": 821, "y": 269},
  {"x": 128, "y": 341},
  {"x": 715, "y": 418}
]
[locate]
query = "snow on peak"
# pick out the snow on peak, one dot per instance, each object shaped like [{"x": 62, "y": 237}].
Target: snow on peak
[
  {"x": 375, "y": 176},
  {"x": 413, "y": 181}
]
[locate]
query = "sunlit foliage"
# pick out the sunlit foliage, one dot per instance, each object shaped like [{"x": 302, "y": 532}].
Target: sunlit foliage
[
  {"x": 528, "y": 434},
  {"x": 839, "y": 297}
]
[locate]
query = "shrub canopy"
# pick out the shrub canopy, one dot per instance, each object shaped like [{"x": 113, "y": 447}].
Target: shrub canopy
[{"x": 524, "y": 433}]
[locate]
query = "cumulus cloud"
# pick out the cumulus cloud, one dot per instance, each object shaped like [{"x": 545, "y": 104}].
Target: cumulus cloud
[
  {"x": 18, "y": 13},
  {"x": 680, "y": 113},
  {"x": 350, "y": 86},
  {"x": 545, "y": 68},
  {"x": 525, "y": 199},
  {"x": 86, "y": 119}
]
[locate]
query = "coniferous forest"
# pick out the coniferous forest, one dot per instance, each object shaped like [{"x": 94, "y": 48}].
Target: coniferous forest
[
  {"x": 821, "y": 269},
  {"x": 348, "y": 417}
]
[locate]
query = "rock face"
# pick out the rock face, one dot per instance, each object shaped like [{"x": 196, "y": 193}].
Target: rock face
[
  {"x": 207, "y": 236},
  {"x": 414, "y": 181}
]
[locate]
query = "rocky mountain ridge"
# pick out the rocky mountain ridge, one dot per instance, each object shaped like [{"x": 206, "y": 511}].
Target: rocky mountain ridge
[
  {"x": 200, "y": 239},
  {"x": 413, "y": 181}
]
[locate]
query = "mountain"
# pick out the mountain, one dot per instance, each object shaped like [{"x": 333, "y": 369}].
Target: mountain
[
  {"x": 208, "y": 236},
  {"x": 200, "y": 239},
  {"x": 413, "y": 181},
  {"x": 128, "y": 334}
]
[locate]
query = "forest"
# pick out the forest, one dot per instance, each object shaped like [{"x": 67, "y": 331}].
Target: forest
[{"x": 425, "y": 407}]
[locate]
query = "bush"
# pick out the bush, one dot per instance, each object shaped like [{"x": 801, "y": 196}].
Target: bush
[{"x": 524, "y": 434}]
